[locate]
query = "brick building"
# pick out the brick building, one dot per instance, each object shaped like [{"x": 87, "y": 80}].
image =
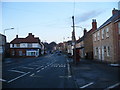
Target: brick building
[
  {"x": 26, "y": 47},
  {"x": 88, "y": 44},
  {"x": 106, "y": 39}
]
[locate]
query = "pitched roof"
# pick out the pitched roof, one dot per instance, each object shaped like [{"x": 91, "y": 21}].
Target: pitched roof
[
  {"x": 113, "y": 18},
  {"x": 80, "y": 39},
  {"x": 29, "y": 39}
]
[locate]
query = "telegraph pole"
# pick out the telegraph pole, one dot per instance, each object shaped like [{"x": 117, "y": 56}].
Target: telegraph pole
[{"x": 74, "y": 40}]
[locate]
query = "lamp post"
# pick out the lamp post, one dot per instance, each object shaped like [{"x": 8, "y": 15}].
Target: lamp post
[{"x": 7, "y": 29}]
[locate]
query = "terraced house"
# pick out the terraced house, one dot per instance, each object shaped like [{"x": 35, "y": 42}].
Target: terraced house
[
  {"x": 26, "y": 47},
  {"x": 106, "y": 39}
]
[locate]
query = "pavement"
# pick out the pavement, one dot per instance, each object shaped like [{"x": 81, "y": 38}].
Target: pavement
[{"x": 92, "y": 74}]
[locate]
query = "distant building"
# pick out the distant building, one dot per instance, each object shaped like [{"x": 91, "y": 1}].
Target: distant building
[
  {"x": 70, "y": 48},
  {"x": 106, "y": 39},
  {"x": 26, "y": 47},
  {"x": 2, "y": 46}
]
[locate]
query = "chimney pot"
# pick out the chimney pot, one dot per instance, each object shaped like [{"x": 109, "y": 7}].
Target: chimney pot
[
  {"x": 16, "y": 36},
  {"x": 30, "y": 34},
  {"x": 94, "y": 24},
  {"x": 114, "y": 11}
]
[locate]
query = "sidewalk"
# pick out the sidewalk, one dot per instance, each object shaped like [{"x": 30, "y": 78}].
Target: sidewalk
[{"x": 92, "y": 74}]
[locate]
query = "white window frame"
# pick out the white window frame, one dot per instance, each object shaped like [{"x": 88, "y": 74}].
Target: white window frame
[
  {"x": 95, "y": 37},
  {"x": 11, "y": 45},
  {"x": 29, "y": 45},
  {"x": 108, "y": 50},
  {"x": 107, "y": 32},
  {"x": 15, "y": 45},
  {"x": 95, "y": 51},
  {"x": 103, "y": 33},
  {"x": 98, "y": 35},
  {"x": 33, "y": 53}
]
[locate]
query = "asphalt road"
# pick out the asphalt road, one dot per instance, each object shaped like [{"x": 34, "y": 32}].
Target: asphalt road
[
  {"x": 58, "y": 71},
  {"x": 50, "y": 71}
]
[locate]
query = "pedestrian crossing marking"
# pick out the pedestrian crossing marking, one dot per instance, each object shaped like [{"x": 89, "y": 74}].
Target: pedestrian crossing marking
[{"x": 58, "y": 65}]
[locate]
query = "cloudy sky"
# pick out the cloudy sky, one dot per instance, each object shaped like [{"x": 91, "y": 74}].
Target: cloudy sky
[{"x": 51, "y": 21}]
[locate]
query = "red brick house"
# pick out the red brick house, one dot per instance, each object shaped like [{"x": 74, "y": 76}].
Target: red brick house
[{"x": 26, "y": 47}]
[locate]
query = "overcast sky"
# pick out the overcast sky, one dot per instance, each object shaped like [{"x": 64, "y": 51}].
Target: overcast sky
[{"x": 51, "y": 21}]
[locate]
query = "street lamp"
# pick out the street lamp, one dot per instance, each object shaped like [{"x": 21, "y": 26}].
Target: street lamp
[{"x": 7, "y": 29}]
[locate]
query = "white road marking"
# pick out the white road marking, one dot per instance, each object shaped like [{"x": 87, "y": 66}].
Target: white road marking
[
  {"x": 38, "y": 70},
  {"x": 45, "y": 67},
  {"x": 87, "y": 85},
  {"x": 35, "y": 65},
  {"x": 39, "y": 67},
  {"x": 27, "y": 67},
  {"x": 17, "y": 77},
  {"x": 42, "y": 68},
  {"x": 69, "y": 73},
  {"x": 48, "y": 65},
  {"x": 2, "y": 80},
  {"x": 113, "y": 86},
  {"x": 16, "y": 71},
  {"x": 32, "y": 74}
]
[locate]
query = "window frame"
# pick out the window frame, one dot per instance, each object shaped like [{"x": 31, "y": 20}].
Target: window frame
[
  {"x": 107, "y": 32},
  {"x": 103, "y": 32}
]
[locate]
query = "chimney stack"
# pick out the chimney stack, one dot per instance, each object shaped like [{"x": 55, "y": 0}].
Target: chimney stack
[
  {"x": 16, "y": 36},
  {"x": 85, "y": 31},
  {"x": 114, "y": 11},
  {"x": 30, "y": 34},
  {"x": 94, "y": 24}
]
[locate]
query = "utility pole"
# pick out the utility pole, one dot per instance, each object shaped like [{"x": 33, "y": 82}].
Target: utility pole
[{"x": 74, "y": 40}]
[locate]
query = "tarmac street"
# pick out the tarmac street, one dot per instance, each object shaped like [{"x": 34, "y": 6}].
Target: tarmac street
[
  {"x": 58, "y": 71},
  {"x": 50, "y": 71}
]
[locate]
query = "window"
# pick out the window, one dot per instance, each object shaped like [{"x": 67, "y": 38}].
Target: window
[
  {"x": 13, "y": 53},
  {"x": 119, "y": 27},
  {"x": 98, "y": 35},
  {"x": 32, "y": 53},
  {"x": 15, "y": 45},
  {"x": 95, "y": 37},
  {"x": 11, "y": 45},
  {"x": 108, "y": 50},
  {"x": 103, "y": 34},
  {"x": 95, "y": 51},
  {"x": 29, "y": 45},
  {"x": 107, "y": 32},
  {"x": 20, "y": 53}
]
